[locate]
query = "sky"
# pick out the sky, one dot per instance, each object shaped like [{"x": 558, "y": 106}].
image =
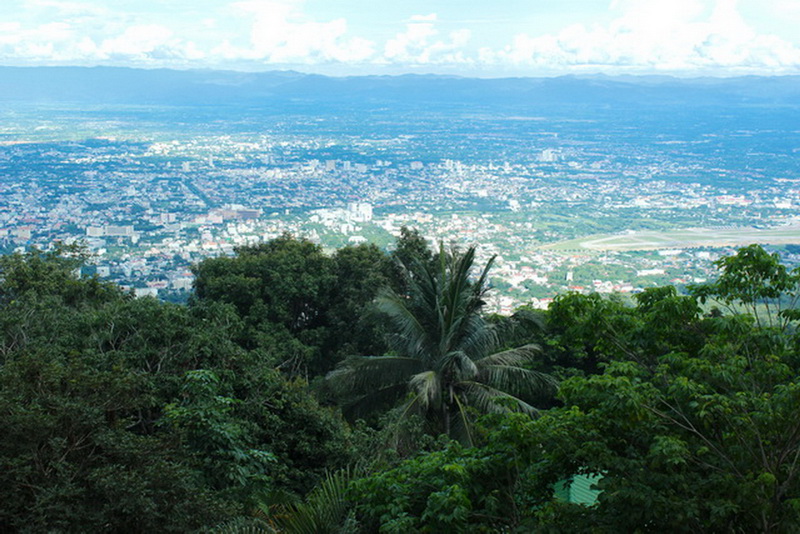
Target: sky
[{"x": 462, "y": 37}]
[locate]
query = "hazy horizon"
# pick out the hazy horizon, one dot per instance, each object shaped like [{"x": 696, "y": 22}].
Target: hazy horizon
[{"x": 688, "y": 76}]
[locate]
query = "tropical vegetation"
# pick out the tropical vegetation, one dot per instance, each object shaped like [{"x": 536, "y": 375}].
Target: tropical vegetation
[
  {"x": 442, "y": 353},
  {"x": 225, "y": 414}
]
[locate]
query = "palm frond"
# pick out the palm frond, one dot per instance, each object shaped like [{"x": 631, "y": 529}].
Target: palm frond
[
  {"x": 518, "y": 356},
  {"x": 457, "y": 366},
  {"x": 517, "y": 381},
  {"x": 376, "y": 400},
  {"x": 477, "y": 337},
  {"x": 530, "y": 320},
  {"x": 361, "y": 374},
  {"x": 441, "y": 312},
  {"x": 442, "y": 340},
  {"x": 487, "y": 399},
  {"x": 427, "y": 388},
  {"x": 324, "y": 510},
  {"x": 463, "y": 328},
  {"x": 412, "y": 406},
  {"x": 244, "y": 525},
  {"x": 461, "y": 429},
  {"x": 412, "y": 335},
  {"x": 482, "y": 279}
]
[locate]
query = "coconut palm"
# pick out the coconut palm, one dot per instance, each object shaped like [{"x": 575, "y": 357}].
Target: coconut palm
[{"x": 442, "y": 361}]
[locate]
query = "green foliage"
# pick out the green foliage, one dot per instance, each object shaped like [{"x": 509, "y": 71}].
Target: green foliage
[
  {"x": 455, "y": 489},
  {"x": 79, "y": 448},
  {"x": 139, "y": 416},
  {"x": 524, "y": 327},
  {"x": 411, "y": 249},
  {"x": 442, "y": 345},
  {"x": 52, "y": 273},
  {"x": 280, "y": 288},
  {"x": 687, "y": 423},
  {"x": 361, "y": 272},
  {"x": 755, "y": 280},
  {"x": 221, "y": 444},
  {"x": 585, "y": 331},
  {"x": 690, "y": 425},
  {"x": 325, "y": 509},
  {"x": 302, "y": 309},
  {"x": 669, "y": 322},
  {"x": 244, "y": 525},
  {"x": 307, "y": 439},
  {"x": 688, "y": 447},
  {"x": 288, "y": 278}
]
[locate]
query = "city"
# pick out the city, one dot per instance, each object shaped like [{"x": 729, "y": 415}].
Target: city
[
  {"x": 149, "y": 200},
  {"x": 301, "y": 266}
]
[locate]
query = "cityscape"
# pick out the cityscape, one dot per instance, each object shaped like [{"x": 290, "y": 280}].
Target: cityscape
[
  {"x": 561, "y": 198},
  {"x": 292, "y": 266}
]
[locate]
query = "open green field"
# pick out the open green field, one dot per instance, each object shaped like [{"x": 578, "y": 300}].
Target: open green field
[{"x": 688, "y": 238}]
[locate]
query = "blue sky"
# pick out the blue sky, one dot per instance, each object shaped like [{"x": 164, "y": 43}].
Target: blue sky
[{"x": 474, "y": 38}]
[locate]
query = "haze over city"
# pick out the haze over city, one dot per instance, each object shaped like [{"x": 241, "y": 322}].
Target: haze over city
[{"x": 291, "y": 266}]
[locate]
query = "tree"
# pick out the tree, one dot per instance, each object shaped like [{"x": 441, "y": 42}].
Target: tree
[
  {"x": 286, "y": 281},
  {"x": 84, "y": 371},
  {"x": 692, "y": 426},
  {"x": 133, "y": 415},
  {"x": 302, "y": 308},
  {"x": 411, "y": 249},
  {"x": 361, "y": 272},
  {"x": 689, "y": 424},
  {"x": 221, "y": 442},
  {"x": 454, "y": 489},
  {"x": 53, "y": 273},
  {"x": 757, "y": 282},
  {"x": 442, "y": 353}
]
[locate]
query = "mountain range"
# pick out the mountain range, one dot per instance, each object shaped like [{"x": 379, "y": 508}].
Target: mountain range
[{"x": 209, "y": 87}]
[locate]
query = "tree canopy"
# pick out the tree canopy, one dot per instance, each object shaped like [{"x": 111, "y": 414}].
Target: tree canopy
[
  {"x": 686, "y": 422},
  {"x": 140, "y": 416},
  {"x": 442, "y": 359},
  {"x": 295, "y": 300},
  {"x": 123, "y": 414}
]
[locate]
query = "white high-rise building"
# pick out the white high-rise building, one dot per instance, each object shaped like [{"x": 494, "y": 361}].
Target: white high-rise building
[
  {"x": 548, "y": 156},
  {"x": 360, "y": 211}
]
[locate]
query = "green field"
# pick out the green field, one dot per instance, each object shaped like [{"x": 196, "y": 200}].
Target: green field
[{"x": 688, "y": 238}]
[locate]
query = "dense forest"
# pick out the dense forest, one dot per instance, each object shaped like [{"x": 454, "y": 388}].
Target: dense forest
[{"x": 367, "y": 391}]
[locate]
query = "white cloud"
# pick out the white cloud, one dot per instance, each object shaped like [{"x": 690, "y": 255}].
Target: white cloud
[
  {"x": 432, "y": 17},
  {"x": 280, "y": 33},
  {"x": 640, "y": 35},
  {"x": 137, "y": 41},
  {"x": 41, "y": 42},
  {"x": 681, "y": 35},
  {"x": 417, "y": 44},
  {"x": 63, "y": 42},
  {"x": 67, "y": 9},
  {"x": 10, "y": 33},
  {"x": 787, "y": 8}
]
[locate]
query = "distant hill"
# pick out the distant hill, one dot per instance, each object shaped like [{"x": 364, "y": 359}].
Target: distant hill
[{"x": 208, "y": 87}]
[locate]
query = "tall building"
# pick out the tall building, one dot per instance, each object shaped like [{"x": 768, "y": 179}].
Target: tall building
[
  {"x": 548, "y": 156},
  {"x": 360, "y": 211}
]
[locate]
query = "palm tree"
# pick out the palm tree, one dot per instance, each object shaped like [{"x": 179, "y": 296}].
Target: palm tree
[{"x": 442, "y": 360}]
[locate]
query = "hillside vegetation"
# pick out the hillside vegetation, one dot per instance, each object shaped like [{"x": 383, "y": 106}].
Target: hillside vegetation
[{"x": 366, "y": 391}]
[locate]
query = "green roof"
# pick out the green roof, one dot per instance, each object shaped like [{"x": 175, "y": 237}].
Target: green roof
[{"x": 578, "y": 490}]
